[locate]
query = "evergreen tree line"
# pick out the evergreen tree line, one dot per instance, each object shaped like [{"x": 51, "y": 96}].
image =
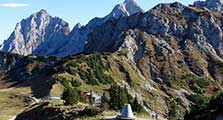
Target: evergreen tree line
[
  {"x": 95, "y": 75},
  {"x": 71, "y": 96},
  {"x": 118, "y": 98}
]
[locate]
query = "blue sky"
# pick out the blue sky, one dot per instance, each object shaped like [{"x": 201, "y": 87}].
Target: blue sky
[{"x": 72, "y": 11}]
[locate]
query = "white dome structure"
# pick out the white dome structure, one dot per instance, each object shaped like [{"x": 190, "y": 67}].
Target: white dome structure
[{"x": 126, "y": 113}]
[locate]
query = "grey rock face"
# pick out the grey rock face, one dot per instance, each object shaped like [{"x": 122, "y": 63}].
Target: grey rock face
[
  {"x": 134, "y": 44},
  {"x": 39, "y": 34},
  {"x": 214, "y": 5},
  {"x": 164, "y": 20},
  {"x": 78, "y": 36},
  {"x": 42, "y": 34}
]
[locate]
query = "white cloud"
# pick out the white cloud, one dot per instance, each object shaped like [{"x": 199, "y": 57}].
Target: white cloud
[{"x": 13, "y": 5}]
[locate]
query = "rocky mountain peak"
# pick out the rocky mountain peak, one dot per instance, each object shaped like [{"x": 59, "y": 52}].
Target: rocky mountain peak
[
  {"x": 77, "y": 26},
  {"x": 41, "y": 14},
  {"x": 169, "y": 8},
  {"x": 214, "y": 5},
  {"x": 130, "y": 2},
  {"x": 38, "y": 34},
  {"x": 43, "y": 34},
  {"x": 126, "y": 8},
  {"x": 78, "y": 36},
  {"x": 43, "y": 11}
]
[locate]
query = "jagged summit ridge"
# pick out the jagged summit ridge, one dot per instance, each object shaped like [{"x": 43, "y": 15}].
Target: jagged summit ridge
[
  {"x": 42, "y": 34},
  {"x": 214, "y": 5},
  {"x": 42, "y": 12},
  {"x": 164, "y": 20},
  {"x": 78, "y": 36}
]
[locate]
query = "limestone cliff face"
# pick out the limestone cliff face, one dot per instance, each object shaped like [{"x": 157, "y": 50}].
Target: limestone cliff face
[
  {"x": 78, "y": 36},
  {"x": 201, "y": 26},
  {"x": 39, "y": 34},
  {"x": 42, "y": 34}
]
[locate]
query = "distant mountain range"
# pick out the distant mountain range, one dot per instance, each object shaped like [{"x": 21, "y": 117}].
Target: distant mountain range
[{"x": 42, "y": 34}]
